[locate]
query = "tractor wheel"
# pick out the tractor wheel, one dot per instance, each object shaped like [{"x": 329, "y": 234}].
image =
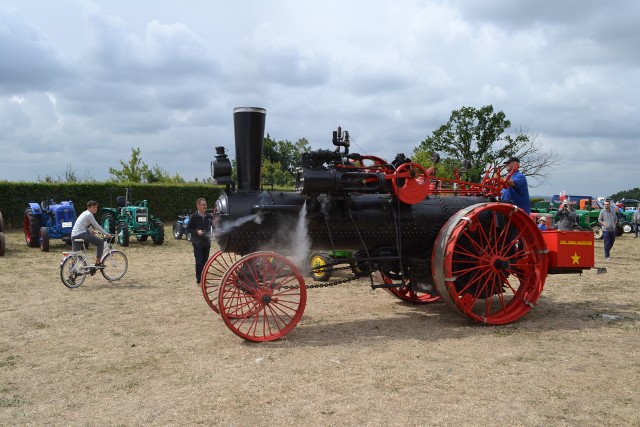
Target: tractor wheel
[
  {"x": 109, "y": 223},
  {"x": 142, "y": 238},
  {"x": 1, "y": 223},
  {"x": 44, "y": 239},
  {"x": 317, "y": 260},
  {"x": 213, "y": 271},
  {"x": 178, "y": 230},
  {"x": 159, "y": 238},
  {"x": 123, "y": 234},
  {"x": 31, "y": 228},
  {"x": 619, "y": 230},
  {"x": 262, "y": 297},
  {"x": 2, "y": 243},
  {"x": 406, "y": 294},
  {"x": 598, "y": 234},
  {"x": 627, "y": 228},
  {"x": 490, "y": 263}
]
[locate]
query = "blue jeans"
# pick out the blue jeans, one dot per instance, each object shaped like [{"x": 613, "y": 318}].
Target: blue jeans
[
  {"x": 201, "y": 254},
  {"x": 636, "y": 224},
  {"x": 609, "y": 240},
  {"x": 88, "y": 238}
]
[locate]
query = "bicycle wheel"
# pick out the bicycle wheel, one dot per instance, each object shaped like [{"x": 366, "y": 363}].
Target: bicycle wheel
[
  {"x": 73, "y": 271},
  {"x": 115, "y": 265}
]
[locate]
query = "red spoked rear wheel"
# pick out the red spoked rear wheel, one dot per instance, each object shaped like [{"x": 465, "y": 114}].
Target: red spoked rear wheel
[
  {"x": 406, "y": 294},
  {"x": 212, "y": 274},
  {"x": 262, "y": 296},
  {"x": 490, "y": 263}
]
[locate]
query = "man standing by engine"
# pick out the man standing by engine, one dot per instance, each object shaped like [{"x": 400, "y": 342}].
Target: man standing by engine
[
  {"x": 608, "y": 220},
  {"x": 517, "y": 191},
  {"x": 200, "y": 229}
]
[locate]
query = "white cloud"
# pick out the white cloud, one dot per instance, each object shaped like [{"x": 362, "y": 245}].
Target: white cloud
[{"x": 87, "y": 81}]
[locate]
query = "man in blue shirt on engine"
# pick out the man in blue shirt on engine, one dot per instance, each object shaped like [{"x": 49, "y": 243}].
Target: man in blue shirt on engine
[{"x": 517, "y": 191}]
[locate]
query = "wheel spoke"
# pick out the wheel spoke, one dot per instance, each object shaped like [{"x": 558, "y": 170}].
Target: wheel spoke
[
  {"x": 491, "y": 269},
  {"x": 262, "y": 296},
  {"x": 405, "y": 293},
  {"x": 212, "y": 273}
]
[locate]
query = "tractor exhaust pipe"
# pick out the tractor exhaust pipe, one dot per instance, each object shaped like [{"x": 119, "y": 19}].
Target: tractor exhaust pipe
[{"x": 248, "y": 124}]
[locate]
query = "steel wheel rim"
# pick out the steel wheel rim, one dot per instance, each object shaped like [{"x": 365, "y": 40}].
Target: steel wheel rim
[
  {"x": 212, "y": 274},
  {"x": 490, "y": 263},
  {"x": 262, "y": 297}
]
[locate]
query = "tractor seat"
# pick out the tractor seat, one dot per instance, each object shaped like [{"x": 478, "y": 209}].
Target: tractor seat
[{"x": 121, "y": 201}]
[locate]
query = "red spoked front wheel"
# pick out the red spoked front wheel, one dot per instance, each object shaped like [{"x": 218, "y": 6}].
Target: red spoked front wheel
[
  {"x": 212, "y": 274},
  {"x": 490, "y": 263},
  {"x": 262, "y": 296}
]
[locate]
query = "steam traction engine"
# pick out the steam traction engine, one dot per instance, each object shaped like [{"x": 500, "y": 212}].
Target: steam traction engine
[{"x": 421, "y": 237}]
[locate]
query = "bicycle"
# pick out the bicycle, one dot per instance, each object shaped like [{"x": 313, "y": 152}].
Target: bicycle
[{"x": 74, "y": 266}]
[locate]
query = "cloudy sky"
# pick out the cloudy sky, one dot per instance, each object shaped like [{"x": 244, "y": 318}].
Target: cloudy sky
[{"x": 84, "y": 82}]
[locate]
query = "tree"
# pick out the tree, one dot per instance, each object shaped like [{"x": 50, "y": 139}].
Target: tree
[
  {"x": 138, "y": 171},
  {"x": 477, "y": 135},
  {"x": 132, "y": 171},
  {"x": 286, "y": 155},
  {"x": 632, "y": 193},
  {"x": 274, "y": 174},
  {"x": 536, "y": 160},
  {"x": 70, "y": 175}
]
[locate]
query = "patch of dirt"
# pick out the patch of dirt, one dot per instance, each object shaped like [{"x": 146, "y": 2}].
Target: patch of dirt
[{"x": 147, "y": 350}]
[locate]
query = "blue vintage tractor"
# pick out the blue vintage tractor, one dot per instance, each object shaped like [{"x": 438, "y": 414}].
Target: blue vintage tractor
[
  {"x": 48, "y": 220},
  {"x": 180, "y": 226}
]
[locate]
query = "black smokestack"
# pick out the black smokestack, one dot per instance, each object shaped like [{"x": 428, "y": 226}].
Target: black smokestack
[{"x": 248, "y": 123}]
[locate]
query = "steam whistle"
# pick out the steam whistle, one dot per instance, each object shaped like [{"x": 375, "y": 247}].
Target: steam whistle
[{"x": 340, "y": 141}]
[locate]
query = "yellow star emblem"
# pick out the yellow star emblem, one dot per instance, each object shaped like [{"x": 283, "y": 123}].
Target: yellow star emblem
[{"x": 576, "y": 258}]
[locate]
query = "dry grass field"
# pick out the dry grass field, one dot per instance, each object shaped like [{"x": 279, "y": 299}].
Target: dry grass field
[{"x": 147, "y": 350}]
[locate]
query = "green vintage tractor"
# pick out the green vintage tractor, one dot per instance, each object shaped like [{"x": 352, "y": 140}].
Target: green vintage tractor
[{"x": 132, "y": 219}]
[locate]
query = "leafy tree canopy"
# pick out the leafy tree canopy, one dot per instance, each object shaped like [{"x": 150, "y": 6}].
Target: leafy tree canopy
[
  {"x": 285, "y": 152},
  {"x": 138, "y": 171},
  {"x": 478, "y": 135},
  {"x": 633, "y": 193}
]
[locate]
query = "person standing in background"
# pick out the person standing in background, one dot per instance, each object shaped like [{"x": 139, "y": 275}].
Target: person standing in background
[
  {"x": 567, "y": 216},
  {"x": 200, "y": 229},
  {"x": 636, "y": 220},
  {"x": 608, "y": 220}
]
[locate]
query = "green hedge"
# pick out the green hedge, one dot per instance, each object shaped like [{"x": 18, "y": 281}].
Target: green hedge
[{"x": 166, "y": 201}]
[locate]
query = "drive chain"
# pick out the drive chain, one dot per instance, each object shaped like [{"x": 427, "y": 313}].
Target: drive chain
[{"x": 329, "y": 284}]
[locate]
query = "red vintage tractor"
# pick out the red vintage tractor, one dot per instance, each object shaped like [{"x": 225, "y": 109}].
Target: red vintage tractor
[{"x": 422, "y": 237}]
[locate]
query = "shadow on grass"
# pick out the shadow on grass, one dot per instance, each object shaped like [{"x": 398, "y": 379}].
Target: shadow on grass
[{"x": 437, "y": 321}]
